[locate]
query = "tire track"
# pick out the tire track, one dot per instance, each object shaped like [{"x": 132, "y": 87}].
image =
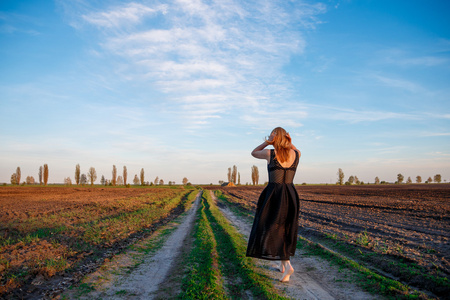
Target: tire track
[
  {"x": 143, "y": 281},
  {"x": 312, "y": 279}
]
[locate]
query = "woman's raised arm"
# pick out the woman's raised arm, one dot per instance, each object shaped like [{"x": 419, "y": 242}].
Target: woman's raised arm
[{"x": 260, "y": 151}]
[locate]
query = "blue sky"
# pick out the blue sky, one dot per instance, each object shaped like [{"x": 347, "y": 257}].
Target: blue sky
[{"x": 190, "y": 87}]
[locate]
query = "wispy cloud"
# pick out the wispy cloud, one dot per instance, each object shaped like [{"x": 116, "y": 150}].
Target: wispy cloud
[
  {"x": 403, "y": 58},
  {"x": 356, "y": 116},
  {"x": 399, "y": 83},
  {"x": 131, "y": 13},
  {"x": 211, "y": 58}
]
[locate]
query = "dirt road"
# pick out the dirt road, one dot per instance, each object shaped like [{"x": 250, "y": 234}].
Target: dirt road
[
  {"x": 133, "y": 275},
  {"x": 312, "y": 279}
]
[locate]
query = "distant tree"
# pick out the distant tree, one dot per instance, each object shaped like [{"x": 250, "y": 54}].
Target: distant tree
[
  {"x": 377, "y": 180},
  {"x": 437, "y": 178},
  {"x": 400, "y": 178},
  {"x": 92, "y": 175},
  {"x": 40, "y": 175},
  {"x": 83, "y": 179},
  {"x": 68, "y": 181},
  {"x": 114, "y": 175},
  {"x": 351, "y": 179},
  {"x": 185, "y": 181},
  {"x": 234, "y": 174},
  {"x": 136, "y": 179},
  {"x": 125, "y": 175},
  {"x": 408, "y": 180},
  {"x": 14, "y": 178},
  {"x": 119, "y": 180},
  {"x": 418, "y": 179},
  {"x": 156, "y": 180},
  {"x": 45, "y": 174},
  {"x": 142, "y": 177},
  {"x": 220, "y": 182},
  {"x": 161, "y": 182},
  {"x": 357, "y": 180},
  {"x": 229, "y": 174},
  {"x": 255, "y": 175},
  {"x": 239, "y": 178},
  {"x": 103, "y": 180},
  {"x": 430, "y": 180},
  {"x": 340, "y": 174},
  {"x": 77, "y": 174},
  {"x": 18, "y": 175},
  {"x": 30, "y": 180}
]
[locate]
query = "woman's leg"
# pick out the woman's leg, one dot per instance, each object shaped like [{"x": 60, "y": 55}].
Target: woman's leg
[
  {"x": 288, "y": 270},
  {"x": 282, "y": 268}
]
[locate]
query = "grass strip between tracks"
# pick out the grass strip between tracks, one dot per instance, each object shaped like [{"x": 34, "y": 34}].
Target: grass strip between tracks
[
  {"x": 221, "y": 272},
  {"x": 232, "y": 252},
  {"x": 203, "y": 279}
]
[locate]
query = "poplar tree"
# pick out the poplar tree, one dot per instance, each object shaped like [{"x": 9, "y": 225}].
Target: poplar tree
[
  {"x": 142, "y": 177},
  {"x": 40, "y": 175},
  {"x": 234, "y": 174},
  {"x": 77, "y": 174},
  {"x": 18, "y": 175},
  {"x": 114, "y": 175},
  {"x": 45, "y": 174},
  {"x": 125, "y": 175}
]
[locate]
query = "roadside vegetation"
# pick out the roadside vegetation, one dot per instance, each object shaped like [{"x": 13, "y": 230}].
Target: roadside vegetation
[{"x": 51, "y": 234}]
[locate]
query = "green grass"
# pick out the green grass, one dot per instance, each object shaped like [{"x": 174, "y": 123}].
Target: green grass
[
  {"x": 232, "y": 257},
  {"x": 217, "y": 265},
  {"x": 203, "y": 279},
  {"x": 400, "y": 267},
  {"x": 369, "y": 280}
]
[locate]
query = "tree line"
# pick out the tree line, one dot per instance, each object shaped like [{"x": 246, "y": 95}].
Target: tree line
[
  {"x": 235, "y": 177},
  {"x": 43, "y": 176},
  {"x": 91, "y": 177},
  {"x": 353, "y": 179}
]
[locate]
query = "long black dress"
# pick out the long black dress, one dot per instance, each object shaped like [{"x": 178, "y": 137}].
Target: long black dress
[{"x": 275, "y": 227}]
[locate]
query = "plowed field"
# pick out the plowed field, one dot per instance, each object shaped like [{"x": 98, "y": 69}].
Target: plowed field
[
  {"x": 48, "y": 231},
  {"x": 401, "y": 230}
]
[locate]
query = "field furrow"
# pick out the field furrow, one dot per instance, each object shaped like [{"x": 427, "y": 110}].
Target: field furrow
[{"x": 400, "y": 231}]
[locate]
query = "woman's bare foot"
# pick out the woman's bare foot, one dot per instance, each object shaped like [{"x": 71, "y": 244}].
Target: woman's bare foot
[{"x": 287, "y": 273}]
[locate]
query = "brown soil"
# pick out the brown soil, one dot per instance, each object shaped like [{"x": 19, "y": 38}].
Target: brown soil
[
  {"x": 404, "y": 224},
  {"x": 44, "y": 245}
]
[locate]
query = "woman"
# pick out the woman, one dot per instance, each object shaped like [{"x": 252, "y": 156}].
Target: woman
[{"x": 274, "y": 231}]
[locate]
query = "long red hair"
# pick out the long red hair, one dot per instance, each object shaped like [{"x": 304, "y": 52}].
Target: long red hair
[{"x": 282, "y": 144}]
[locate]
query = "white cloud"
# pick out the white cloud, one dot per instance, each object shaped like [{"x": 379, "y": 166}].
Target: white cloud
[
  {"x": 231, "y": 49},
  {"x": 132, "y": 13}
]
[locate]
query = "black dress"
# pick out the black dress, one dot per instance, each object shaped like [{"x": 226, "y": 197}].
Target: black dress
[{"x": 275, "y": 227}]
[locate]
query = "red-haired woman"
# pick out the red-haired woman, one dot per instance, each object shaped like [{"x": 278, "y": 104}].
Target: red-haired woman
[{"x": 274, "y": 231}]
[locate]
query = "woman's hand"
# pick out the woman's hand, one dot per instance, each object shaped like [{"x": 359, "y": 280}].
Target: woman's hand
[{"x": 271, "y": 137}]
